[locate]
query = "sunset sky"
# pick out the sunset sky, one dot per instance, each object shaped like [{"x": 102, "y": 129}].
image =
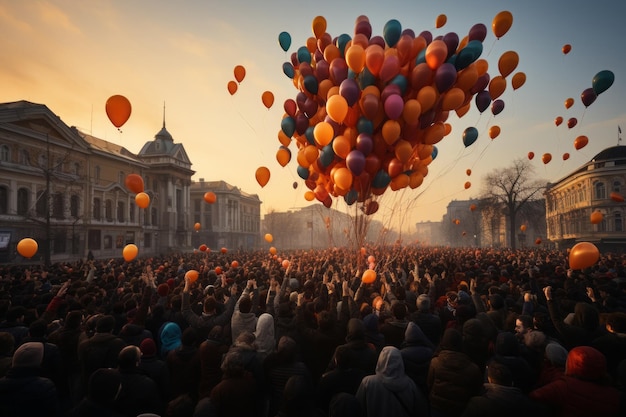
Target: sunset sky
[{"x": 72, "y": 55}]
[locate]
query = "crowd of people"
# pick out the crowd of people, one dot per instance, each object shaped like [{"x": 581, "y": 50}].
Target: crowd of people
[{"x": 441, "y": 332}]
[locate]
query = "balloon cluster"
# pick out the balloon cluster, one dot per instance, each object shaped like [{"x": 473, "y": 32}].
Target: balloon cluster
[{"x": 370, "y": 109}]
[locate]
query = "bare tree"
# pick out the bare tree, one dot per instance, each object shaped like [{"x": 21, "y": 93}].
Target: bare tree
[{"x": 512, "y": 188}]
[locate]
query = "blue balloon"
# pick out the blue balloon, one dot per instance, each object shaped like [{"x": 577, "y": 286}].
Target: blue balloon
[
  {"x": 284, "y": 40},
  {"x": 401, "y": 81},
  {"x": 366, "y": 78},
  {"x": 327, "y": 156},
  {"x": 421, "y": 57},
  {"x": 288, "y": 70},
  {"x": 311, "y": 84},
  {"x": 303, "y": 172},
  {"x": 469, "y": 54},
  {"x": 342, "y": 40},
  {"x": 469, "y": 136},
  {"x": 304, "y": 55},
  {"x": 288, "y": 126},
  {"x": 434, "y": 153},
  {"x": 308, "y": 134},
  {"x": 381, "y": 179},
  {"x": 350, "y": 197},
  {"x": 364, "y": 125},
  {"x": 392, "y": 32},
  {"x": 602, "y": 81}
]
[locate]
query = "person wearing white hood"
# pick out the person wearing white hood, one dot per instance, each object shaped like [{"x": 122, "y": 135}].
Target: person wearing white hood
[{"x": 390, "y": 391}]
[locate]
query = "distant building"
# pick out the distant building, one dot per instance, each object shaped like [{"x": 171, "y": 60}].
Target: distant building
[
  {"x": 598, "y": 185},
  {"x": 429, "y": 233}
]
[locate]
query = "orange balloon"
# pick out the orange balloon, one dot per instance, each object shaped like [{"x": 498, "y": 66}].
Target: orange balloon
[
  {"x": 518, "y": 80},
  {"x": 218, "y": 270},
  {"x": 558, "y": 120},
  {"x": 118, "y": 109},
  {"x": 268, "y": 99},
  {"x": 309, "y": 196},
  {"x": 565, "y": 156},
  {"x": 142, "y": 200},
  {"x": 583, "y": 255},
  {"x": 452, "y": 99},
  {"x": 197, "y": 226},
  {"x": 436, "y": 54},
  {"x": 134, "y": 183},
  {"x": 203, "y": 248},
  {"x": 522, "y": 228},
  {"x": 441, "y": 20},
  {"x": 27, "y": 247},
  {"x": 273, "y": 250},
  {"x": 531, "y": 155},
  {"x": 191, "y": 276},
  {"x": 318, "y": 25},
  {"x": 427, "y": 96},
  {"x": 571, "y": 122},
  {"x": 617, "y": 197},
  {"x": 130, "y": 252},
  {"x": 232, "y": 87},
  {"x": 494, "y": 131},
  {"x": 472, "y": 207},
  {"x": 566, "y": 48},
  {"x": 337, "y": 108},
  {"x": 283, "y": 156},
  {"x": 546, "y": 157},
  {"x": 262, "y": 176},
  {"x": 538, "y": 241},
  {"x": 369, "y": 276},
  {"x": 580, "y": 142},
  {"x": 501, "y": 23},
  {"x": 234, "y": 264},
  {"x": 508, "y": 62},
  {"x": 223, "y": 250},
  {"x": 467, "y": 185},
  {"x": 240, "y": 73},
  {"x": 569, "y": 103},
  {"x": 355, "y": 58},
  {"x": 468, "y": 172},
  {"x": 285, "y": 263},
  {"x": 210, "y": 197},
  {"x": 323, "y": 133},
  {"x": 596, "y": 217},
  {"x": 497, "y": 85},
  {"x": 269, "y": 238}
]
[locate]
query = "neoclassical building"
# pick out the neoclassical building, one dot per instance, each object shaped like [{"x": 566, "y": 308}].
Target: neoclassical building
[
  {"x": 595, "y": 186},
  {"x": 66, "y": 189}
]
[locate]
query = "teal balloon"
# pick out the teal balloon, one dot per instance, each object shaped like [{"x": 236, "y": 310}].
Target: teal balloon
[
  {"x": 469, "y": 136},
  {"x": 311, "y": 84},
  {"x": 303, "y": 172},
  {"x": 342, "y": 40},
  {"x": 366, "y": 78},
  {"x": 421, "y": 57},
  {"x": 288, "y": 70},
  {"x": 381, "y": 179},
  {"x": 288, "y": 126},
  {"x": 351, "y": 197},
  {"x": 401, "y": 81},
  {"x": 434, "y": 153},
  {"x": 365, "y": 125},
  {"x": 304, "y": 55},
  {"x": 602, "y": 81},
  {"x": 309, "y": 135},
  {"x": 392, "y": 32},
  {"x": 327, "y": 156},
  {"x": 469, "y": 54},
  {"x": 284, "y": 40}
]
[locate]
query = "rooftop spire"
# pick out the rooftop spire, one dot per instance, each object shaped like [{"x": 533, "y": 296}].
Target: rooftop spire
[{"x": 164, "y": 115}]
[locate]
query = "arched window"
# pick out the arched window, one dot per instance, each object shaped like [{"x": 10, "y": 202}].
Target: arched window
[
  {"x": 97, "y": 209},
  {"x": 74, "y": 206},
  {"x": 121, "y": 208},
  {"x": 5, "y": 155},
  {"x": 4, "y": 199},
  {"x": 616, "y": 186},
  {"x": 108, "y": 210},
  {"x": 600, "y": 191},
  {"x": 22, "y": 201},
  {"x": 24, "y": 158},
  {"x": 58, "y": 208}
]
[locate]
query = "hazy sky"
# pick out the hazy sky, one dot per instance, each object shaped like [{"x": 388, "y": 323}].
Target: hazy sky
[{"x": 72, "y": 55}]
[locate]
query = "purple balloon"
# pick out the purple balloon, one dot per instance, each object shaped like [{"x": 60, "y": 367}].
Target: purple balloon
[
  {"x": 338, "y": 70},
  {"x": 310, "y": 108},
  {"x": 427, "y": 118},
  {"x": 451, "y": 40},
  {"x": 483, "y": 99},
  {"x": 318, "y": 55},
  {"x": 294, "y": 59},
  {"x": 378, "y": 40},
  {"x": 497, "y": 106},
  {"x": 409, "y": 32},
  {"x": 302, "y": 123},
  {"x": 364, "y": 144},
  {"x": 300, "y": 100},
  {"x": 427, "y": 35},
  {"x": 355, "y": 161},
  {"x": 481, "y": 84},
  {"x": 390, "y": 68},
  {"x": 445, "y": 76},
  {"x": 478, "y": 32},
  {"x": 322, "y": 71},
  {"x": 588, "y": 96},
  {"x": 349, "y": 89},
  {"x": 394, "y": 106},
  {"x": 363, "y": 27},
  {"x": 389, "y": 90}
]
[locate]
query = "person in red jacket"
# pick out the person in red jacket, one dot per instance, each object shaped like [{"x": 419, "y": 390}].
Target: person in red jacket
[{"x": 584, "y": 390}]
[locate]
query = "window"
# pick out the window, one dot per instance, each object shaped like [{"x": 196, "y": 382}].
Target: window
[
  {"x": 4, "y": 153},
  {"x": 131, "y": 215},
  {"x": 97, "y": 209},
  {"x": 93, "y": 240},
  {"x": 76, "y": 168},
  {"x": 22, "y": 201},
  {"x": 154, "y": 217},
  {"x": 600, "y": 191},
  {"x": 616, "y": 186},
  {"x": 4, "y": 200},
  {"x": 42, "y": 204},
  {"x": 58, "y": 207},
  {"x": 24, "y": 158},
  {"x": 618, "y": 222},
  {"x": 97, "y": 173},
  {"x": 121, "y": 177},
  {"x": 121, "y": 208},
  {"x": 108, "y": 210},
  {"x": 43, "y": 161},
  {"x": 74, "y": 203},
  {"x": 108, "y": 242}
]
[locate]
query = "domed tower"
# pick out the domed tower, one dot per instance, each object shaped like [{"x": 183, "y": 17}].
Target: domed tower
[{"x": 167, "y": 182}]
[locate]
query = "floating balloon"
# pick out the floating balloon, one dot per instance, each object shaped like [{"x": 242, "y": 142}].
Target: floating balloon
[
  {"x": 134, "y": 183},
  {"x": 596, "y": 217},
  {"x": 223, "y": 250},
  {"x": 203, "y": 248},
  {"x": 565, "y": 156},
  {"x": 467, "y": 185},
  {"x": 142, "y": 200},
  {"x": 285, "y": 263},
  {"x": 27, "y": 247},
  {"x": 262, "y": 176},
  {"x": 218, "y": 270},
  {"x": 617, "y": 197},
  {"x": 468, "y": 172},
  {"x": 130, "y": 252},
  {"x": 566, "y": 48},
  {"x": 531, "y": 155},
  {"x": 273, "y": 250},
  {"x": 118, "y": 110},
  {"x": 508, "y": 62},
  {"x": 269, "y": 238},
  {"x": 602, "y": 81},
  {"x": 522, "y": 228},
  {"x": 318, "y": 26},
  {"x": 497, "y": 106},
  {"x": 571, "y": 122},
  {"x": 369, "y": 276},
  {"x": 518, "y": 80},
  {"x": 232, "y": 87},
  {"x": 284, "y": 40},
  {"x": 234, "y": 264},
  {"x": 191, "y": 276},
  {"x": 240, "y": 73},
  {"x": 210, "y": 197},
  {"x": 472, "y": 207},
  {"x": 501, "y": 23},
  {"x": 588, "y": 96},
  {"x": 268, "y": 99},
  {"x": 583, "y": 255},
  {"x": 569, "y": 102},
  {"x": 538, "y": 241},
  {"x": 546, "y": 158},
  {"x": 294, "y": 185},
  {"x": 197, "y": 226},
  {"x": 469, "y": 136},
  {"x": 580, "y": 142},
  {"x": 441, "y": 21},
  {"x": 558, "y": 120},
  {"x": 494, "y": 132}
]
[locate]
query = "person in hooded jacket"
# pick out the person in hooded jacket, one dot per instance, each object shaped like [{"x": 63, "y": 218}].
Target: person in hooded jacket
[
  {"x": 390, "y": 391},
  {"x": 264, "y": 334},
  {"x": 183, "y": 363},
  {"x": 507, "y": 353},
  {"x": 585, "y": 389},
  {"x": 417, "y": 352},
  {"x": 361, "y": 354}
]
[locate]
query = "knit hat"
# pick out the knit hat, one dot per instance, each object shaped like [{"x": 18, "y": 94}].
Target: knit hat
[
  {"x": 163, "y": 290},
  {"x": 556, "y": 354},
  {"x": 148, "y": 347},
  {"x": 28, "y": 355}
]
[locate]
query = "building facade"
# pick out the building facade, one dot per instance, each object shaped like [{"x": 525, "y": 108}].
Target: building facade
[{"x": 598, "y": 185}]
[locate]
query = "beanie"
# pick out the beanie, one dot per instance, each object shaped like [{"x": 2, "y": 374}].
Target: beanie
[
  {"x": 556, "y": 354},
  {"x": 148, "y": 347},
  {"x": 163, "y": 290},
  {"x": 28, "y": 355}
]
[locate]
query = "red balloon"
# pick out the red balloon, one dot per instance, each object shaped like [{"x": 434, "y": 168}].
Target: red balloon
[
  {"x": 209, "y": 197},
  {"x": 617, "y": 197},
  {"x": 572, "y": 122},
  {"x": 531, "y": 155},
  {"x": 134, "y": 183},
  {"x": 118, "y": 109},
  {"x": 580, "y": 142}
]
